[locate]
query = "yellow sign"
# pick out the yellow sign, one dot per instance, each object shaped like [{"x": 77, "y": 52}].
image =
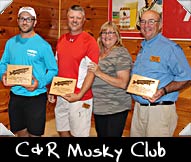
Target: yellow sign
[{"x": 133, "y": 5}]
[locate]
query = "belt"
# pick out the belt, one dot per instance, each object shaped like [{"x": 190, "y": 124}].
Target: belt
[{"x": 158, "y": 103}]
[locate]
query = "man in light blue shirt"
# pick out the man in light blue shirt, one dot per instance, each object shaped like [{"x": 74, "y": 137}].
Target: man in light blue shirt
[
  {"x": 164, "y": 60},
  {"x": 27, "y": 106}
]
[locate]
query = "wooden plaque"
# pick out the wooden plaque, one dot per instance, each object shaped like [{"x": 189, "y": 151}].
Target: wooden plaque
[
  {"x": 142, "y": 86},
  {"x": 62, "y": 86},
  {"x": 19, "y": 74}
]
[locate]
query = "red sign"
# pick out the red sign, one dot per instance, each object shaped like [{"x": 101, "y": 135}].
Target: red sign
[{"x": 176, "y": 19}]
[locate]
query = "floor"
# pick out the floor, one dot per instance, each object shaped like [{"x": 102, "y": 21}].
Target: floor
[{"x": 50, "y": 130}]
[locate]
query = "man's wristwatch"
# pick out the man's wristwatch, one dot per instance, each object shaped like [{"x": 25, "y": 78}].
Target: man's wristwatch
[{"x": 165, "y": 91}]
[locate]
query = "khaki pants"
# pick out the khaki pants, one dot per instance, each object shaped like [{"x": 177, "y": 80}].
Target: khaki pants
[{"x": 153, "y": 121}]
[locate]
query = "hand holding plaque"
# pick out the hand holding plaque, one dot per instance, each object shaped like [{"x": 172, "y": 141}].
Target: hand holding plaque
[
  {"x": 142, "y": 86},
  {"x": 61, "y": 86},
  {"x": 19, "y": 75}
]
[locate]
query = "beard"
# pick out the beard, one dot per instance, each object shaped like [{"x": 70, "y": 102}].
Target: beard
[{"x": 25, "y": 29}]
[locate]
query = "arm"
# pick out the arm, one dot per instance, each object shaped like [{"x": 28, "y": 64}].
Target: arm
[
  {"x": 176, "y": 86},
  {"x": 171, "y": 87},
  {"x": 120, "y": 81},
  {"x": 50, "y": 67},
  {"x": 85, "y": 87},
  {"x": 86, "y": 84}
]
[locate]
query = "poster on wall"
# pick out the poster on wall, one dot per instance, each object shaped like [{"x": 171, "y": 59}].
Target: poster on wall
[
  {"x": 126, "y": 13},
  {"x": 176, "y": 17}
]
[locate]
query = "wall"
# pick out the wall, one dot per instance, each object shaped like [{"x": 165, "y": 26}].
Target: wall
[{"x": 52, "y": 23}]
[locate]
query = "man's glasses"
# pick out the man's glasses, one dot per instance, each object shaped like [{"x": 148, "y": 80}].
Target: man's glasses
[
  {"x": 110, "y": 33},
  {"x": 150, "y": 21},
  {"x": 28, "y": 19}
]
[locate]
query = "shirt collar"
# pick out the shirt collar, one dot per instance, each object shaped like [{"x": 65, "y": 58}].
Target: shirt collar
[{"x": 151, "y": 41}]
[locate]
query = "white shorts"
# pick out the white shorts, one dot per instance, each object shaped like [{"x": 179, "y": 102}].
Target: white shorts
[{"x": 73, "y": 117}]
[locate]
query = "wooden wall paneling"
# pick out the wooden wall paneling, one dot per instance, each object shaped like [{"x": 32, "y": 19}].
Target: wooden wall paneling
[
  {"x": 96, "y": 12},
  {"x": 2, "y": 46},
  {"x": 37, "y": 3},
  {"x": 7, "y": 32},
  {"x": 184, "y": 114},
  {"x": 2, "y": 86},
  {"x": 8, "y": 20},
  {"x": 47, "y": 34},
  {"x": 4, "y": 118},
  {"x": 186, "y": 93},
  {"x": 133, "y": 46},
  {"x": 4, "y": 100},
  {"x": 47, "y": 24},
  {"x": 63, "y": 24},
  {"x": 48, "y": 30},
  {"x": 186, "y": 46},
  {"x": 66, "y": 3}
]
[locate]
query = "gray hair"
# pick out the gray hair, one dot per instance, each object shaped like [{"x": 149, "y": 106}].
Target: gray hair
[{"x": 77, "y": 8}]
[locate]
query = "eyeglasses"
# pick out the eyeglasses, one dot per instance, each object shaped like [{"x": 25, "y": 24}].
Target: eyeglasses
[
  {"x": 28, "y": 19},
  {"x": 110, "y": 33},
  {"x": 150, "y": 21}
]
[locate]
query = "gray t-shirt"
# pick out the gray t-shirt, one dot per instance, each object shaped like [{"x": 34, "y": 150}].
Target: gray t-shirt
[{"x": 107, "y": 98}]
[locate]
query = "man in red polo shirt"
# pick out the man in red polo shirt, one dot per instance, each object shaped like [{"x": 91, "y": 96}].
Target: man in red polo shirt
[{"x": 74, "y": 51}]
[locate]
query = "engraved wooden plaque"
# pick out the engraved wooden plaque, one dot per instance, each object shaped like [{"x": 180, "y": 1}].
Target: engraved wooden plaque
[
  {"x": 142, "y": 86},
  {"x": 19, "y": 74},
  {"x": 62, "y": 86}
]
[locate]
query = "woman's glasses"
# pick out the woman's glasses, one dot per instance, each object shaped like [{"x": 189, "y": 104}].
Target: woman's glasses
[{"x": 110, "y": 33}]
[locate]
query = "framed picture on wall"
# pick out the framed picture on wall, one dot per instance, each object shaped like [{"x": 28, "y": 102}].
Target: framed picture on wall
[
  {"x": 125, "y": 13},
  {"x": 176, "y": 17}
]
